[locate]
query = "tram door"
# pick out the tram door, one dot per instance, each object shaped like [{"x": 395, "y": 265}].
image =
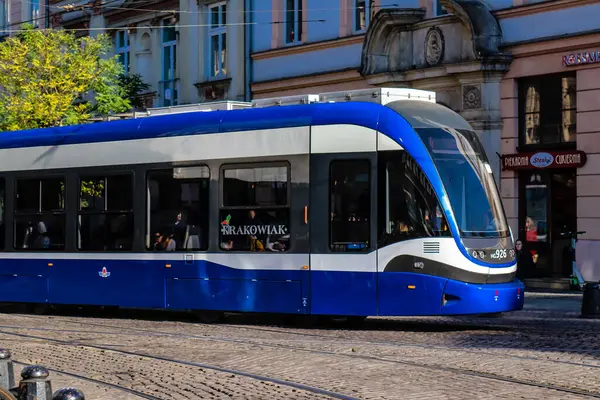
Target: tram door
[{"x": 343, "y": 233}]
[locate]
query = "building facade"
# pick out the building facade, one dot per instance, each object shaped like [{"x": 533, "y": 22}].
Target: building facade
[
  {"x": 522, "y": 72},
  {"x": 13, "y": 13},
  {"x": 188, "y": 51}
]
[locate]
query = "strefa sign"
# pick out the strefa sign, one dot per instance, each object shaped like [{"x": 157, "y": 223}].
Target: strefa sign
[{"x": 542, "y": 159}]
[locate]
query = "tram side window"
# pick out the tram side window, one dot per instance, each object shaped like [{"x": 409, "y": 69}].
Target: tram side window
[
  {"x": 40, "y": 214},
  {"x": 105, "y": 217},
  {"x": 409, "y": 207},
  {"x": 178, "y": 200},
  {"x": 255, "y": 213},
  {"x": 2, "y": 209},
  {"x": 350, "y": 205}
]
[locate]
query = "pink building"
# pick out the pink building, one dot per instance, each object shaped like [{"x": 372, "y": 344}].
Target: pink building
[{"x": 550, "y": 103}]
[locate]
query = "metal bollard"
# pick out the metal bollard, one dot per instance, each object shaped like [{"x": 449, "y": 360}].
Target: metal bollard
[
  {"x": 35, "y": 384},
  {"x": 68, "y": 394},
  {"x": 7, "y": 374},
  {"x": 590, "y": 304}
]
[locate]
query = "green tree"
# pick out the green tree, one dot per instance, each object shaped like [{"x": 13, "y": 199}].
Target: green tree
[
  {"x": 133, "y": 85},
  {"x": 47, "y": 78}
]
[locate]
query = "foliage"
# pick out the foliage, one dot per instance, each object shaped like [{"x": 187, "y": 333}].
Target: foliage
[
  {"x": 46, "y": 78},
  {"x": 133, "y": 85}
]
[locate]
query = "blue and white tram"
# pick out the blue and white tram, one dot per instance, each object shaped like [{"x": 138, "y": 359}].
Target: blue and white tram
[{"x": 344, "y": 209}]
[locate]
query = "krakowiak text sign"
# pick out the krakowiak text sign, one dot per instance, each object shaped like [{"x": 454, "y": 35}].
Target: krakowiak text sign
[
  {"x": 544, "y": 159},
  {"x": 253, "y": 230}
]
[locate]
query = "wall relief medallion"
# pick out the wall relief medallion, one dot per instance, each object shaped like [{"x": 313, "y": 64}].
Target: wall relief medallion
[
  {"x": 471, "y": 97},
  {"x": 434, "y": 46}
]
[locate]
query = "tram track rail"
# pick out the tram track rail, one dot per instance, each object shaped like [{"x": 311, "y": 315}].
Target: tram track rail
[
  {"x": 276, "y": 381},
  {"x": 98, "y": 382},
  {"x": 349, "y": 340},
  {"x": 438, "y": 368}
]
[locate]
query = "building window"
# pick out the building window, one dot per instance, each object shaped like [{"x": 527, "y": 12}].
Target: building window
[
  {"x": 105, "y": 217},
  {"x": 293, "y": 21},
  {"x": 410, "y": 208},
  {"x": 178, "y": 201},
  {"x": 255, "y": 212},
  {"x": 4, "y": 13},
  {"x": 218, "y": 40},
  {"x": 169, "y": 83},
  {"x": 34, "y": 12},
  {"x": 40, "y": 214},
  {"x": 362, "y": 13},
  {"x": 350, "y": 205},
  {"x": 548, "y": 110},
  {"x": 122, "y": 50},
  {"x": 439, "y": 9}
]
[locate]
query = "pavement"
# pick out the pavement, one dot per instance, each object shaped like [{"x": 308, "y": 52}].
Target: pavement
[{"x": 544, "y": 351}]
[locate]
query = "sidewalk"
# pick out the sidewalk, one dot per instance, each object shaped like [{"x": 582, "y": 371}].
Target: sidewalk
[{"x": 562, "y": 302}]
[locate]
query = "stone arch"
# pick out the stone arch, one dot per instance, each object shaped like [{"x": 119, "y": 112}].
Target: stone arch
[
  {"x": 145, "y": 42},
  {"x": 386, "y": 29},
  {"x": 485, "y": 29},
  {"x": 388, "y": 42}
]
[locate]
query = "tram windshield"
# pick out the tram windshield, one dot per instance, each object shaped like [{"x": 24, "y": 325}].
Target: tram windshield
[{"x": 467, "y": 176}]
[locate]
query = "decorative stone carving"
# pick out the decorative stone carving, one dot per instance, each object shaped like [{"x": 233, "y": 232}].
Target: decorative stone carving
[
  {"x": 471, "y": 97},
  {"x": 213, "y": 90},
  {"x": 485, "y": 28},
  {"x": 434, "y": 46}
]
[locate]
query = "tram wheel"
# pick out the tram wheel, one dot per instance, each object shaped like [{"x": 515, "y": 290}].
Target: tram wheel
[
  {"x": 209, "y": 317},
  {"x": 39, "y": 309},
  {"x": 5, "y": 394},
  {"x": 356, "y": 321},
  {"x": 492, "y": 315}
]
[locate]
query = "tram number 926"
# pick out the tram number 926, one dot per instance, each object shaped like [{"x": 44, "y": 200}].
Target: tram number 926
[{"x": 499, "y": 254}]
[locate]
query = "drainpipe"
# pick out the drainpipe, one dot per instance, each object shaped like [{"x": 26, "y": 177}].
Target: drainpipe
[{"x": 247, "y": 49}]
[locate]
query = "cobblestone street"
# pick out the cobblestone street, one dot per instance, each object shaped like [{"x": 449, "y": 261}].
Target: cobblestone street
[{"x": 545, "y": 351}]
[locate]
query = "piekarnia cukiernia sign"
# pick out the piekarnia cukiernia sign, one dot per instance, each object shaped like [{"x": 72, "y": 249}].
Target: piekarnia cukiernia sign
[{"x": 544, "y": 159}]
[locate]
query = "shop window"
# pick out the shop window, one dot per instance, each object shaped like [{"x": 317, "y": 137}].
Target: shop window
[
  {"x": 350, "y": 205},
  {"x": 410, "y": 208},
  {"x": 255, "y": 212},
  {"x": 293, "y": 21},
  {"x": 40, "y": 214},
  {"x": 178, "y": 199},
  {"x": 548, "y": 110},
  {"x": 105, "y": 217}
]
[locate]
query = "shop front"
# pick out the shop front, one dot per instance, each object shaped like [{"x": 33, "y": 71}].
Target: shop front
[
  {"x": 550, "y": 156},
  {"x": 547, "y": 208}
]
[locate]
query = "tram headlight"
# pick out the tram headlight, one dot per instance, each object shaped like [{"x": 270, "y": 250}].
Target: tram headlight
[{"x": 481, "y": 254}]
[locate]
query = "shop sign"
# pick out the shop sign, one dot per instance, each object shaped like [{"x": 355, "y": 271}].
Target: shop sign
[
  {"x": 588, "y": 57},
  {"x": 544, "y": 159}
]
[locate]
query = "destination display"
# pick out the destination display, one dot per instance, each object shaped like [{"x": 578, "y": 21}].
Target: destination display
[{"x": 544, "y": 159}]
